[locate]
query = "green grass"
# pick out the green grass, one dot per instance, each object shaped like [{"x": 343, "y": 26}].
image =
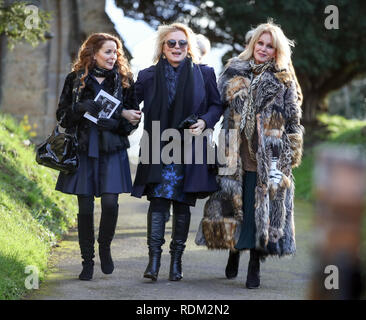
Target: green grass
[
  {"x": 336, "y": 130},
  {"x": 33, "y": 215}
]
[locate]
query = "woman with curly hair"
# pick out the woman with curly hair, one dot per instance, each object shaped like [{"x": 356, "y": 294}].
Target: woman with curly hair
[{"x": 104, "y": 166}]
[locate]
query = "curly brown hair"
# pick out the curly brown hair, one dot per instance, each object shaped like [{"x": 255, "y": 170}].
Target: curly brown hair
[{"x": 90, "y": 46}]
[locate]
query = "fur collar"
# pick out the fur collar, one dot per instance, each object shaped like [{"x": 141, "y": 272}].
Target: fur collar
[{"x": 241, "y": 67}]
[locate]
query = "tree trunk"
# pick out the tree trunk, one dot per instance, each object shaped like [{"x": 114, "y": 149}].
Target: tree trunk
[
  {"x": 313, "y": 99},
  {"x": 312, "y": 104}
]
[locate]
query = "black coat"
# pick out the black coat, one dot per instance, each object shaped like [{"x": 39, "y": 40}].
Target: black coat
[
  {"x": 198, "y": 178},
  {"x": 109, "y": 141}
]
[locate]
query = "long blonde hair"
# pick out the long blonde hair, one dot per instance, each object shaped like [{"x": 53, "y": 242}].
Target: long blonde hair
[
  {"x": 91, "y": 46},
  {"x": 280, "y": 43},
  {"x": 164, "y": 30}
]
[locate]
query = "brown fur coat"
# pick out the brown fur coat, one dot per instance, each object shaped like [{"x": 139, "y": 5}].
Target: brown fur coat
[{"x": 277, "y": 98}]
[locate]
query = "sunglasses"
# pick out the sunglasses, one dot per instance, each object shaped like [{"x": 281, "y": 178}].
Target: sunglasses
[{"x": 171, "y": 43}]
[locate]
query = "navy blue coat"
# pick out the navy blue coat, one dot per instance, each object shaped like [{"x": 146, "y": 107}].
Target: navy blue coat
[{"x": 198, "y": 178}]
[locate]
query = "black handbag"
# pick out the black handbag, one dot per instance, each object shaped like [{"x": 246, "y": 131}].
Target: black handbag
[{"x": 59, "y": 151}]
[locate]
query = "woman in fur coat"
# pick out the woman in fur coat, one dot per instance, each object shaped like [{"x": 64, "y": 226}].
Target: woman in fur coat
[
  {"x": 254, "y": 208},
  {"x": 104, "y": 169}
]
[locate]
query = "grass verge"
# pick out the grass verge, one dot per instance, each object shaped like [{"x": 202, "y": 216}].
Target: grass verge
[{"x": 33, "y": 215}]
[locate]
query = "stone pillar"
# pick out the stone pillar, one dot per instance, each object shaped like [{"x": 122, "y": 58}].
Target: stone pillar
[
  {"x": 93, "y": 18},
  {"x": 33, "y": 78}
]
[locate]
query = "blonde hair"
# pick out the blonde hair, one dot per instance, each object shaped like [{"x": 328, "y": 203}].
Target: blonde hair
[
  {"x": 279, "y": 41},
  {"x": 164, "y": 30}
]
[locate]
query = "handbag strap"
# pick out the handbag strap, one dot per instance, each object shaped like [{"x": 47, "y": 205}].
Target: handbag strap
[{"x": 71, "y": 131}]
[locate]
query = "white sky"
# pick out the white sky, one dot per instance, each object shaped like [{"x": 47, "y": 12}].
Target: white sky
[{"x": 139, "y": 39}]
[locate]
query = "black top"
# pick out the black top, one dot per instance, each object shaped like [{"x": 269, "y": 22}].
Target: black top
[{"x": 109, "y": 141}]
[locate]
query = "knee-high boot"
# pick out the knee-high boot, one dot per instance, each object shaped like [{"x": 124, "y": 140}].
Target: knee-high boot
[
  {"x": 155, "y": 239},
  {"x": 232, "y": 266},
  {"x": 107, "y": 228},
  {"x": 86, "y": 242},
  {"x": 181, "y": 223},
  {"x": 253, "y": 276}
]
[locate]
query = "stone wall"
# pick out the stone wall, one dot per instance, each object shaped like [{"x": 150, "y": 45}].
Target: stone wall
[{"x": 32, "y": 78}]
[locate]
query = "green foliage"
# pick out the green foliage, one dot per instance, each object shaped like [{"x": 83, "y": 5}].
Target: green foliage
[
  {"x": 318, "y": 49},
  {"x": 350, "y": 101},
  {"x": 19, "y": 22},
  {"x": 324, "y": 60},
  {"x": 338, "y": 131},
  {"x": 33, "y": 215}
]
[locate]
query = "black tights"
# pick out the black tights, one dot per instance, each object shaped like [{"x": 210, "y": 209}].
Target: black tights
[
  {"x": 109, "y": 202},
  {"x": 163, "y": 205}
]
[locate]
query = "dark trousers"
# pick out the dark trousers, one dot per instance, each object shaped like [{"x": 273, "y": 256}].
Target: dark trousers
[{"x": 248, "y": 228}]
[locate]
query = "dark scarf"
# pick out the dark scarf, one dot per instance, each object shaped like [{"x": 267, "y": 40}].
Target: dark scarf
[
  {"x": 102, "y": 73},
  {"x": 169, "y": 114},
  {"x": 171, "y": 76},
  {"x": 110, "y": 75}
]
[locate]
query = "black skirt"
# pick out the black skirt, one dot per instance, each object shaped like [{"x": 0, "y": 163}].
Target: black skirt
[{"x": 109, "y": 173}]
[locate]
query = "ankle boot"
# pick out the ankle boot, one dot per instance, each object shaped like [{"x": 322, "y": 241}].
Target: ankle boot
[
  {"x": 155, "y": 239},
  {"x": 232, "y": 266},
  {"x": 86, "y": 242},
  {"x": 181, "y": 223},
  {"x": 253, "y": 276},
  {"x": 107, "y": 228}
]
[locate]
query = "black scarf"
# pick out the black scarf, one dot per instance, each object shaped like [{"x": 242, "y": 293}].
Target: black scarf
[
  {"x": 110, "y": 75},
  {"x": 102, "y": 73},
  {"x": 171, "y": 76},
  {"x": 169, "y": 115}
]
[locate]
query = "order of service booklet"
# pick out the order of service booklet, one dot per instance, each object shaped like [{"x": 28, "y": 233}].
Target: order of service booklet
[{"x": 109, "y": 105}]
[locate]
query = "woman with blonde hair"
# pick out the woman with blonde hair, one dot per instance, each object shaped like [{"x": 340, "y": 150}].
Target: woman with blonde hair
[
  {"x": 104, "y": 167},
  {"x": 179, "y": 94},
  {"x": 259, "y": 93}
]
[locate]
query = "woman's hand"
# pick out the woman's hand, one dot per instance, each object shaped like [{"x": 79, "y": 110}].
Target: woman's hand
[
  {"x": 90, "y": 106},
  {"x": 197, "y": 128},
  {"x": 133, "y": 116}
]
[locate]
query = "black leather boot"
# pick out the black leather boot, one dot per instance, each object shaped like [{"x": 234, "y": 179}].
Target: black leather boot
[
  {"x": 253, "y": 276},
  {"x": 181, "y": 223},
  {"x": 155, "y": 239},
  {"x": 86, "y": 242},
  {"x": 232, "y": 266},
  {"x": 107, "y": 228}
]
